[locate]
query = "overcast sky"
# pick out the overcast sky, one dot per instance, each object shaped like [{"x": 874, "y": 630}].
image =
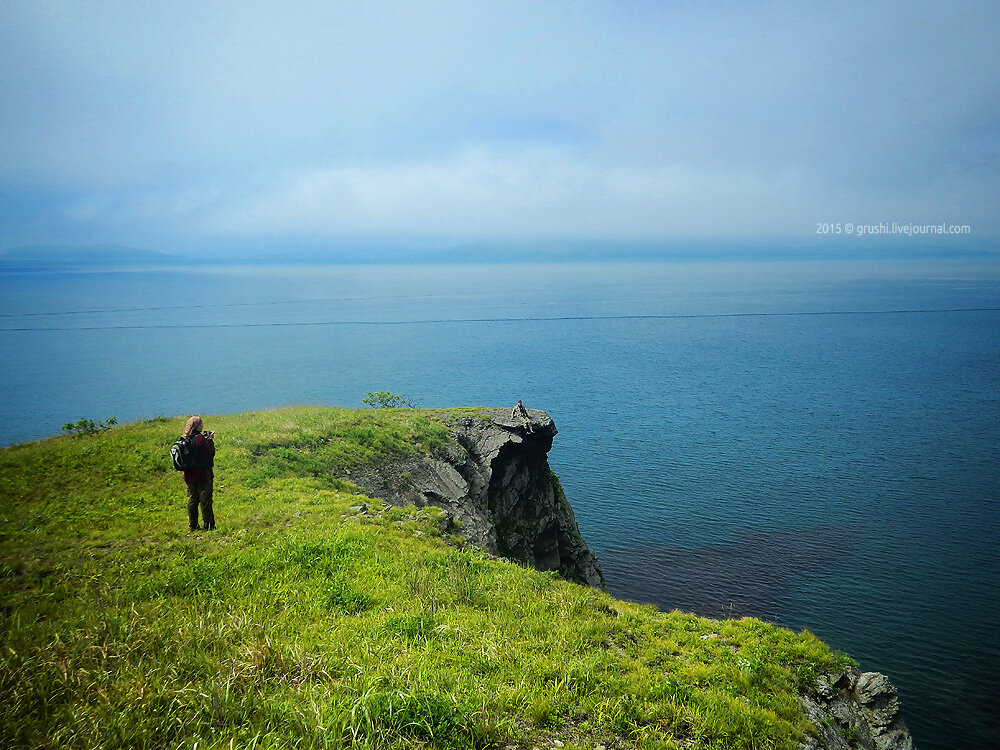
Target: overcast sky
[{"x": 171, "y": 125}]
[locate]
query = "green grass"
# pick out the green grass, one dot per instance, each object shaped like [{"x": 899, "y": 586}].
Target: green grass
[{"x": 299, "y": 624}]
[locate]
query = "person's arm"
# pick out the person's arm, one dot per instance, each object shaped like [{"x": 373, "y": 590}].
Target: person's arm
[{"x": 205, "y": 445}]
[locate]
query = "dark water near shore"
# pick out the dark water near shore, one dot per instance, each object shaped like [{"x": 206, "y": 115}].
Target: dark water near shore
[{"x": 816, "y": 444}]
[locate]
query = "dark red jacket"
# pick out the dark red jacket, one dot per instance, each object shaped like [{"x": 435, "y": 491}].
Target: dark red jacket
[{"x": 206, "y": 449}]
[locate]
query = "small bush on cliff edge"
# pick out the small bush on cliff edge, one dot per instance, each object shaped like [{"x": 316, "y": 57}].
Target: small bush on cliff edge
[
  {"x": 84, "y": 426},
  {"x": 387, "y": 400}
]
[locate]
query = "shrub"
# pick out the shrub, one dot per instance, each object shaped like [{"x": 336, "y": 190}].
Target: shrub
[
  {"x": 85, "y": 426},
  {"x": 387, "y": 400}
]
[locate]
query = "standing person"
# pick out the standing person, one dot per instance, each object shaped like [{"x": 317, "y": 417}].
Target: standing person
[
  {"x": 519, "y": 412},
  {"x": 199, "y": 479}
]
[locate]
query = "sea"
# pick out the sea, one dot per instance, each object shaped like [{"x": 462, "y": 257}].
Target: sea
[{"x": 814, "y": 443}]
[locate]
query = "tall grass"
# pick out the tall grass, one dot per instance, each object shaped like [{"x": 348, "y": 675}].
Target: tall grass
[{"x": 299, "y": 624}]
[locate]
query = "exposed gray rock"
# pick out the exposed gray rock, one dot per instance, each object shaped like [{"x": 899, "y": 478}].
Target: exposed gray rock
[
  {"x": 855, "y": 711},
  {"x": 495, "y": 483}
]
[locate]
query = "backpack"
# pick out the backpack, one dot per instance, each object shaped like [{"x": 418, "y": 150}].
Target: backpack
[{"x": 184, "y": 456}]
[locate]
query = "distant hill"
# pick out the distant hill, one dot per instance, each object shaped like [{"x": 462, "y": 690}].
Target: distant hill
[
  {"x": 580, "y": 251},
  {"x": 88, "y": 254},
  {"x": 498, "y": 251}
]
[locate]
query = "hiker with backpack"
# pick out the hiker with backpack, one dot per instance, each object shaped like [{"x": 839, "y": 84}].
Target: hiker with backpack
[{"x": 194, "y": 454}]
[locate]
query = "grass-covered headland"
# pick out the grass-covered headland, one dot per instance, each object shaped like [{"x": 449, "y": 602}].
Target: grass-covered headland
[{"x": 301, "y": 623}]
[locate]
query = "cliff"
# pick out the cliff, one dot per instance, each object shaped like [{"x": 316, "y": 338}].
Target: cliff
[
  {"x": 494, "y": 483},
  {"x": 318, "y": 615},
  {"x": 854, "y": 710}
]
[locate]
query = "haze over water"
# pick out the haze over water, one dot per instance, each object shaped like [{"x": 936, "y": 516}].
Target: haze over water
[{"x": 812, "y": 443}]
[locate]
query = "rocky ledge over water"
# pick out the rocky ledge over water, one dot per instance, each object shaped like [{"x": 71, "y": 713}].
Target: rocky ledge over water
[
  {"x": 855, "y": 710},
  {"x": 498, "y": 492},
  {"x": 496, "y": 487}
]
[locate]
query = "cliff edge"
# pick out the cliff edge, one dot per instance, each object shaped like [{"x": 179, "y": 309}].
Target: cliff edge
[
  {"x": 300, "y": 622},
  {"x": 494, "y": 483},
  {"x": 854, "y": 710}
]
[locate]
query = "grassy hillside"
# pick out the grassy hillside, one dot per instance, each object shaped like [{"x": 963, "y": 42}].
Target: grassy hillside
[{"x": 303, "y": 623}]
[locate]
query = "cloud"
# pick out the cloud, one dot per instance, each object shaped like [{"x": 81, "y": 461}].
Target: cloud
[
  {"x": 479, "y": 193},
  {"x": 477, "y": 119}
]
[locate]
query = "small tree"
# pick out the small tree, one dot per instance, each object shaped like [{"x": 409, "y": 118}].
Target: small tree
[
  {"x": 387, "y": 400},
  {"x": 86, "y": 426}
]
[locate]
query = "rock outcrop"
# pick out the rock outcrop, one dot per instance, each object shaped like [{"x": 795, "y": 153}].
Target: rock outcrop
[
  {"x": 495, "y": 484},
  {"x": 855, "y": 711}
]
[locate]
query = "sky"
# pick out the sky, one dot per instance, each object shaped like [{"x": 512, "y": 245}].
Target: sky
[{"x": 218, "y": 126}]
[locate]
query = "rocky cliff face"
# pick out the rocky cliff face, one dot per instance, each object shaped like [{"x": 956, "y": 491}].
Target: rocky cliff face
[
  {"x": 496, "y": 484},
  {"x": 496, "y": 487},
  {"x": 855, "y": 711}
]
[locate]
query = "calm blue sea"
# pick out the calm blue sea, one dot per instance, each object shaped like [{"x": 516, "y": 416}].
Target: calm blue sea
[{"x": 813, "y": 443}]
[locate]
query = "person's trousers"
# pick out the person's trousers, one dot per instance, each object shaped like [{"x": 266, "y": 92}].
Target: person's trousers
[{"x": 200, "y": 494}]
